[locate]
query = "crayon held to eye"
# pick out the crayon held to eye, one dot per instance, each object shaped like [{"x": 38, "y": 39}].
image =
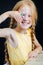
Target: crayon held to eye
[{"x": 21, "y": 14}]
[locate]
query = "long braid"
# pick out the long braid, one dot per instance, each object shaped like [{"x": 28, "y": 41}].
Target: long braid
[
  {"x": 7, "y": 55},
  {"x": 32, "y": 36},
  {"x": 13, "y": 23}
]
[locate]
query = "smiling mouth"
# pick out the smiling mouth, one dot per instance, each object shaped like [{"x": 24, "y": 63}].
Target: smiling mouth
[{"x": 23, "y": 22}]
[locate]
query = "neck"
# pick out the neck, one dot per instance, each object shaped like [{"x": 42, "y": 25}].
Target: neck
[{"x": 20, "y": 30}]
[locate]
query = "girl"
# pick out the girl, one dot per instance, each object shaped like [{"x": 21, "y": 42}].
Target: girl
[{"x": 21, "y": 41}]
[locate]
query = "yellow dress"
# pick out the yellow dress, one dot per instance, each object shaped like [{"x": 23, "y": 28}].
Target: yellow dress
[{"x": 19, "y": 55}]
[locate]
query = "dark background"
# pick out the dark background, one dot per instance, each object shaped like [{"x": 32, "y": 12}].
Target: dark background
[{"x": 6, "y": 5}]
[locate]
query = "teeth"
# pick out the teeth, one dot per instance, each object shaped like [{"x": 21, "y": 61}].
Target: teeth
[
  {"x": 25, "y": 22},
  {"x": 22, "y": 21}
]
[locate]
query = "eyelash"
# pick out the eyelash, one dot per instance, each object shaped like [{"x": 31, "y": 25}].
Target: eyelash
[{"x": 29, "y": 15}]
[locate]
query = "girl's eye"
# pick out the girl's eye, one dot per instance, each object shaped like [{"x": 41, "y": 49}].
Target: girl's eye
[
  {"x": 22, "y": 14},
  {"x": 29, "y": 15}
]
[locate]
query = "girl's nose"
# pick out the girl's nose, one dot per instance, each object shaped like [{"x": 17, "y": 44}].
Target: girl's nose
[{"x": 25, "y": 17}]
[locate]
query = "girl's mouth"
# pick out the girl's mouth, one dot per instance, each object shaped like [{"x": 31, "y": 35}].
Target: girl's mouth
[{"x": 24, "y": 22}]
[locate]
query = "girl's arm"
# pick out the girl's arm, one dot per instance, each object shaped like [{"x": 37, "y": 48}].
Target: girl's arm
[
  {"x": 37, "y": 45},
  {"x": 9, "y": 35},
  {"x": 4, "y": 16},
  {"x": 5, "y": 32},
  {"x": 37, "y": 50},
  {"x": 10, "y": 14}
]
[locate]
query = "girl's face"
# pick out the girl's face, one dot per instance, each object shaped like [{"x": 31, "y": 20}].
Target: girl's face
[{"x": 26, "y": 15}]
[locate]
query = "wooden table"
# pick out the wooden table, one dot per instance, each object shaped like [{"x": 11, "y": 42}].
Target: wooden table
[{"x": 36, "y": 61}]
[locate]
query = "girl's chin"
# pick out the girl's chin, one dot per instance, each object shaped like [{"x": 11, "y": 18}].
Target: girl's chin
[
  {"x": 25, "y": 25},
  {"x": 25, "y": 28}
]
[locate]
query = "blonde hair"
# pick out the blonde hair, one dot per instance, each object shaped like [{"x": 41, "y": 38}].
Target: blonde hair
[{"x": 34, "y": 16}]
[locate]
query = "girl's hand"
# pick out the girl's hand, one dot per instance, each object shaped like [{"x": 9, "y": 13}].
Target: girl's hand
[
  {"x": 16, "y": 15},
  {"x": 33, "y": 54}
]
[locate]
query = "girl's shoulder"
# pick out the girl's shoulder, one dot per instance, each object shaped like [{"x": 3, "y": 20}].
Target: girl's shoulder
[{"x": 12, "y": 31}]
